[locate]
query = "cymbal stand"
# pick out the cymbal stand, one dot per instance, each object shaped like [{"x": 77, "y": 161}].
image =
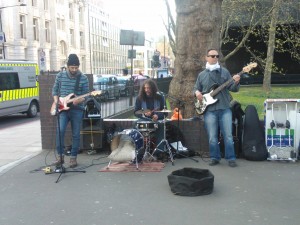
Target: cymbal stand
[
  {"x": 165, "y": 142},
  {"x": 147, "y": 140}
]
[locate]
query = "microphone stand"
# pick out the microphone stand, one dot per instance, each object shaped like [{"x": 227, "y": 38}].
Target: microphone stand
[
  {"x": 61, "y": 169},
  {"x": 180, "y": 104}
]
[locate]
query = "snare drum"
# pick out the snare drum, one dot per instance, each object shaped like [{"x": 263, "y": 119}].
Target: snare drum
[{"x": 146, "y": 126}]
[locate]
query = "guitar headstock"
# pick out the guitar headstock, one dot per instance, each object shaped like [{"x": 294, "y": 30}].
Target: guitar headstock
[
  {"x": 95, "y": 93},
  {"x": 249, "y": 67}
]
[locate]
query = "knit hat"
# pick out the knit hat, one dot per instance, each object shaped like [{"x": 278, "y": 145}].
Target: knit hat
[{"x": 73, "y": 60}]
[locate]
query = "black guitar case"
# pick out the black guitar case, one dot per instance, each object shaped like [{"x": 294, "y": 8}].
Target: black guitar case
[{"x": 253, "y": 147}]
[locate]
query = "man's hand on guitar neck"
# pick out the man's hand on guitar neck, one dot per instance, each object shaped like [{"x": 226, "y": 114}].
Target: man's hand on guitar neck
[
  {"x": 78, "y": 101},
  {"x": 199, "y": 95},
  {"x": 236, "y": 78}
]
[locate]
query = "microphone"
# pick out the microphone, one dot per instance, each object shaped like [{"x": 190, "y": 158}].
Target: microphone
[{"x": 161, "y": 93}]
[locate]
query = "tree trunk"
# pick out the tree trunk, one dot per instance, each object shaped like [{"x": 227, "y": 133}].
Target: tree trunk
[
  {"x": 271, "y": 46},
  {"x": 197, "y": 30}
]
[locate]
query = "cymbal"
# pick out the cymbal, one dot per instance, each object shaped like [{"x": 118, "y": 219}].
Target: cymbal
[
  {"x": 164, "y": 111},
  {"x": 142, "y": 111}
]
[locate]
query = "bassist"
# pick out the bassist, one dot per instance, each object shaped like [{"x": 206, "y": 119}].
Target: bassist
[{"x": 218, "y": 114}]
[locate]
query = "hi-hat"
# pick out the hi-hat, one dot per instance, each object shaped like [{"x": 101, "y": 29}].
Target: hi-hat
[
  {"x": 164, "y": 111},
  {"x": 142, "y": 111}
]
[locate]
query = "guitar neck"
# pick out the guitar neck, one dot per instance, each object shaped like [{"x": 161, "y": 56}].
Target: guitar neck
[
  {"x": 78, "y": 97},
  {"x": 221, "y": 87}
]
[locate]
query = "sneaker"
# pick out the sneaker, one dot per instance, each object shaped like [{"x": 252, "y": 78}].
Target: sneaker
[
  {"x": 214, "y": 162},
  {"x": 59, "y": 161},
  {"x": 73, "y": 162},
  {"x": 232, "y": 163}
]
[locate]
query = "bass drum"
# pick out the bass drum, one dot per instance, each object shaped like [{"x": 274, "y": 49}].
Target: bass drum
[{"x": 125, "y": 145}]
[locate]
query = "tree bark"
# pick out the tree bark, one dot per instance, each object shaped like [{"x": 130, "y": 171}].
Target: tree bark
[
  {"x": 197, "y": 30},
  {"x": 271, "y": 46}
]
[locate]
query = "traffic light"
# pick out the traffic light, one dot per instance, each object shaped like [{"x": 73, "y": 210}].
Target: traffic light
[{"x": 155, "y": 61}]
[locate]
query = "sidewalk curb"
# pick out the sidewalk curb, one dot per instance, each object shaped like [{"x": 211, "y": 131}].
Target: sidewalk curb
[{"x": 9, "y": 166}]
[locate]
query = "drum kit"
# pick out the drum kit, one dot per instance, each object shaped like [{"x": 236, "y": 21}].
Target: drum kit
[
  {"x": 147, "y": 128},
  {"x": 142, "y": 139}
]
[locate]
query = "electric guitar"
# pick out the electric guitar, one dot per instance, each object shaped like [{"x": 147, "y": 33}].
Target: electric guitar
[
  {"x": 65, "y": 102},
  {"x": 208, "y": 98}
]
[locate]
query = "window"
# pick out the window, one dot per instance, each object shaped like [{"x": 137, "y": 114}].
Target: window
[
  {"x": 35, "y": 29},
  {"x": 81, "y": 39},
  {"x": 58, "y": 24},
  {"x": 22, "y": 27},
  {"x": 63, "y": 24},
  {"x": 34, "y": 3},
  {"x": 9, "y": 81},
  {"x": 71, "y": 16},
  {"x": 72, "y": 38},
  {"x": 46, "y": 4},
  {"x": 63, "y": 48},
  {"x": 104, "y": 26},
  {"x": 47, "y": 31},
  {"x": 80, "y": 12},
  {"x": 104, "y": 42}
]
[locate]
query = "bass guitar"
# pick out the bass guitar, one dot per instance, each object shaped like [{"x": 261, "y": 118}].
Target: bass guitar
[
  {"x": 208, "y": 98},
  {"x": 65, "y": 102}
]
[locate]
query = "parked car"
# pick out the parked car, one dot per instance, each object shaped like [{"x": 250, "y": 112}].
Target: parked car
[
  {"x": 125, "y": 85},
  {"x": 138, "y": 81},
  {"x": 109, "y": 85}
]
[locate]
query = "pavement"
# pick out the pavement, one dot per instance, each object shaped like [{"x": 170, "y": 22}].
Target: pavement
[{"x": 254, "y": 193}]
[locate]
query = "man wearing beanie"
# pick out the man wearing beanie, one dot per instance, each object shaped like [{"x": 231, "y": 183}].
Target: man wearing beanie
[{"x": 69, "y": 84}]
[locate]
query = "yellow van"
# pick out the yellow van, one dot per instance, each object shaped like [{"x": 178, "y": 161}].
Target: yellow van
[{"x": 19, "y": 88}]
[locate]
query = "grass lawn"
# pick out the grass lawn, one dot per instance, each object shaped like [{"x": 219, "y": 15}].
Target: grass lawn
[{"x": 254, "y": 95}]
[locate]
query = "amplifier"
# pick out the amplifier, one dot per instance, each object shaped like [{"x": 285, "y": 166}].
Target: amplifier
[
  {"x": 92, "y": 134},
  {"x": 92, "y": 124}
]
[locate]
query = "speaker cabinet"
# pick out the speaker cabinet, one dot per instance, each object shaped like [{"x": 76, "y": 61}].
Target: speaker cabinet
[
  {"x": 92, "y": 134},
  {"x": 92, "y": 124}
]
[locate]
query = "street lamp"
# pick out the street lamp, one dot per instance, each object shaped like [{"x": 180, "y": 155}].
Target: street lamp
[{"x": 2, "y": 34}]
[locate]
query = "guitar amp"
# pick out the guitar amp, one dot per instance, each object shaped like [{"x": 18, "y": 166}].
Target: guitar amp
[{"x": 92, "y": 134}]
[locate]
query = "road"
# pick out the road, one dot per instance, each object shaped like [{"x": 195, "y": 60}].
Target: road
[
  {"x": 7, "y": 122},
  {"x": 20, "y": 139}
]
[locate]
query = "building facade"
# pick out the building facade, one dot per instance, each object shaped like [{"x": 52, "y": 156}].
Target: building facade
[{"x": 47, "y": 31}]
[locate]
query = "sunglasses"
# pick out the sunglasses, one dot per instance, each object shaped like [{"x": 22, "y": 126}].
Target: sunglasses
[{"x": 213, "y": 56}]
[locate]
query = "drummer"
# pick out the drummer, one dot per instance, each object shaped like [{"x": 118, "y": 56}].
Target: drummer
[{"x": 148, "y": 102}]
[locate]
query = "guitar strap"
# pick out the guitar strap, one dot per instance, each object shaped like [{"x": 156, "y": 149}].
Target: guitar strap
[
  {"x": 77, "y": 84},
  {"x": 214, "y": 80}
]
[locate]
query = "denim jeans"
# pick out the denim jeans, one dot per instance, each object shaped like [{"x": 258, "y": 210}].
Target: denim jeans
[
  {"x": 213, "y": 120},
  {"x": 75, "y": 117}
]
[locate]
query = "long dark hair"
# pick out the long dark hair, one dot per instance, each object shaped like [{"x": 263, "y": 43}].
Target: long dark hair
[{"x": 153, "y": 87}]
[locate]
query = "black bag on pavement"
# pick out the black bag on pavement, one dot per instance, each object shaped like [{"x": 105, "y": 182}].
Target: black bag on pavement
[
  {"x": 191, "y": 182},
  {"x": 254, "y": 147}
]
